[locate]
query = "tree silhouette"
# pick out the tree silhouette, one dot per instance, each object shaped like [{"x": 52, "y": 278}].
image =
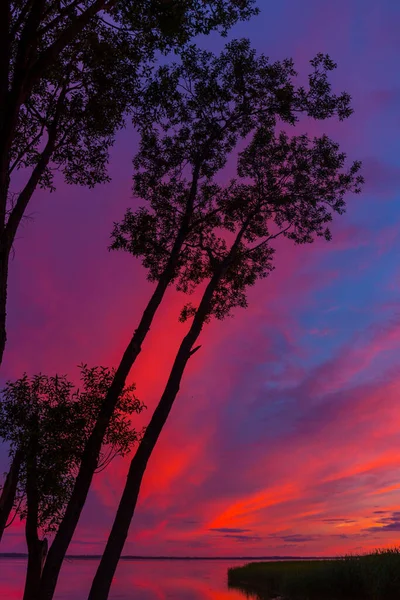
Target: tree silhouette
[
  {"x": 46, "y": 422},
  {"x": 68, "y": 73},
  {"x": 286, "y": 186},
  {"x": 9, "y": 491},
  {"x": 191, "y": 116}
]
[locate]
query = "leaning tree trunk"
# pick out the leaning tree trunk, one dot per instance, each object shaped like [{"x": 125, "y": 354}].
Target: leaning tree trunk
[
  {"x": 89, "y": 462},
  {"x": 35, "y": 545},
  {"x": 21, "y": 67},
  {"x": 4, "y": 258},
  {"x": 10, "y": 228},
  {"x": 112, "y": 553},
  {"x": 37, "y": 552},
  {"x": 9, "y": 491},
  {"x": 34, "y": 569},
  {"x": 102, "y": 581}
]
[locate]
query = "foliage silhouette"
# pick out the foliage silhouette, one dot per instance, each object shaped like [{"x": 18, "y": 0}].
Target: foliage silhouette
[
  {"x": 68, "y": 74},
  {"x": 47, "y": 421},
  {"x": 191, "y": 115},
  {"x": 285, "y": 186}
]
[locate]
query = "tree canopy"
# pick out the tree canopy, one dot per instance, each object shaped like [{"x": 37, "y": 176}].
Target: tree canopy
[
  {"x": 60, "y": 417},
  {"x": 289, "y": 186},
  {"x": 191, "y": 229},
  {"x": 68, "y": 74},
  {"x": 191, "y": 115}
]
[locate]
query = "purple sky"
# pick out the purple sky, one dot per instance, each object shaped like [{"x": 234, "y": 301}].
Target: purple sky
[{"x": 285, "y": 437}]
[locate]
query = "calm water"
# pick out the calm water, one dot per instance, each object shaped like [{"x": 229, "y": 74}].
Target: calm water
[{"x": 135, "y": 580}]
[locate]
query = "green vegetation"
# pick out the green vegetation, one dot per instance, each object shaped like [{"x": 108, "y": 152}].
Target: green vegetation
[{"x": 373, "y": 576}]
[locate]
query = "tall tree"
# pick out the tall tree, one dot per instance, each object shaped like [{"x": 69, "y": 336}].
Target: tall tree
[
  {"x": 46, "y": 421},
  {"x": 287, "y": 187},
  {"x": 68, "y": 72},
  {"x": 191, "y": 116}
]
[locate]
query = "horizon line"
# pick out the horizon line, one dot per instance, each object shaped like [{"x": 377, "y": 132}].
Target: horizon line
[{"x": 166, "y": 557}]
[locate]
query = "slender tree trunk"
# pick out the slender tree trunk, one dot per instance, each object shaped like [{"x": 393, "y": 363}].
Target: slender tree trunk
[
  {"x": 27, "y": 69},
  {"x": 4, "y": 258},
  {"x": 7, "y": 497},
  {"x": 34, "y": 569},
  {"x": 37, "y": 551},
  {"x": 88, "y": 466},
  {"x": 90, "y": 456},
  {"x": 5, "y": 20},
  {"x": 109, "y": 561},
  {"x": 89, "y": 462}
]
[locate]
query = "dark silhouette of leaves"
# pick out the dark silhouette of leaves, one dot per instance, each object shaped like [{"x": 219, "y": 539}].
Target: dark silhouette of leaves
[{"x": 61, "y": 417}]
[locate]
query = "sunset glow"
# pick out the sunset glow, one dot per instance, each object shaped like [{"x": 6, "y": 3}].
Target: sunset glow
[{"x": 285, "y": 436}]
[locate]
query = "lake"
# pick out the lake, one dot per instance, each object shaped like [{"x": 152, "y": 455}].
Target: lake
[{"x": 134, "y": 580}]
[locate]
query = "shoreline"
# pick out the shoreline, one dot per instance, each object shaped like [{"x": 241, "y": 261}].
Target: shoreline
[
  {"x": 22, "y": 555},
  {"x": 374, "y": 576}
]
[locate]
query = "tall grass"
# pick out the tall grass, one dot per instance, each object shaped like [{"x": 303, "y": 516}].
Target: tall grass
[{"x": 373, "y": 576}]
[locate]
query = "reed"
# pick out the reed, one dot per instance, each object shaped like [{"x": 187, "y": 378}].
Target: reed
[{"x": 374, "y": 576}]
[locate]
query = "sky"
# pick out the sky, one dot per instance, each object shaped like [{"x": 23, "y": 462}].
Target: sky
[{"x": 285, "y": 437}]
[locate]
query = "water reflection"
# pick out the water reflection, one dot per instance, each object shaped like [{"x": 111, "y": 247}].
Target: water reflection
[{"x": 135, "y": 580}]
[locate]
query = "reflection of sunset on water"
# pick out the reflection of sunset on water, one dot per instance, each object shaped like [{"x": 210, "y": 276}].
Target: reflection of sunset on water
[{"x": 141, "y": 580}]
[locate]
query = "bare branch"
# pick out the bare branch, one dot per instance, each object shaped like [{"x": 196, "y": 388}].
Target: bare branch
[
  {"x": 16, "y": 511},
  {"x": 194, "y": 350},
  {"x": 26, "y": 194},
  {"x": 268, "y": 239},
  {"x": 105, "y": 463}
]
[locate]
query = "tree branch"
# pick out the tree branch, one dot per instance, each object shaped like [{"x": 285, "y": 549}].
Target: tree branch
[
  {"x": 194, "y": 350},
  {"x": 107, "y": 459},
  {"x": 113, "y": 26},
  {"x": 65, "y": 38},
  {"x": 26, "y": 149},
  {"x": 25, "y": 54},
  {"x": 27, "y": 44},
  {"x": 60, "y": 15},
  {"x": 213, "y": 260},
  {"x": 268, "y": 239},
  {"x": 20, "y": 19},
  {"x": 16, "y": 511},
  {"x": 202, "y": 219},
  {"x": 26, "y": 194}
]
